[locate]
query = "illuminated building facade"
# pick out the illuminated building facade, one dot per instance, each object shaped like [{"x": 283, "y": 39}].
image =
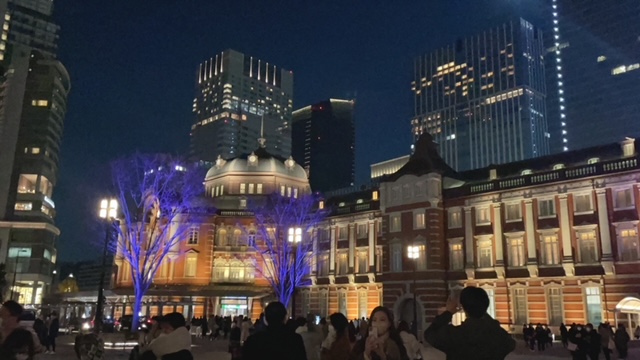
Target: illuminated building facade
[
  {"x": 483, "y": 98},
  {"x": 593, "y": 65},
  {"x": 323, "y": 142},
  {"x": 234, "y": 93}
]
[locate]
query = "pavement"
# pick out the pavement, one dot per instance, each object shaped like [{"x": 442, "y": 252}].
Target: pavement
[{"x": 204, "y": 349}]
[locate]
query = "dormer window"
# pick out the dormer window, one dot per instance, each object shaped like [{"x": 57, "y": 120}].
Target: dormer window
[
  {"x": 558, "y": 166},
  {"x": 526, "y": 172},
  {"x": 321, "y": 205},
  {"x": 341, "y": 204},
  {"x": 593, "y": 161},
  {"x": 359, "y": 201},
  {"x": 374, "y": 195}
]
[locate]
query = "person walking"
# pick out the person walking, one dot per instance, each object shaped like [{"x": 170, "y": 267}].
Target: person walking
[
  {"x": 593, "y": 341},
  {"x": 276, "y": 341},
  {"x": 564, "y": 334},
  {"x": 336, "y": 345},
  {"x": 52, "y": 333},
  {"x": 478, "y": 337},
  {"x": 621, "y": 338}
]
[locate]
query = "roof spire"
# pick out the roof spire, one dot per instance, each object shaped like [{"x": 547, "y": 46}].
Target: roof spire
[{"x": 261, "y": 139}]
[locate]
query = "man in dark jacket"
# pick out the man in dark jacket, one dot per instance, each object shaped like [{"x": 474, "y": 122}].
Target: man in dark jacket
[
  {"x": 480, "y": 337},
  {"x": 276, "y": 341}
]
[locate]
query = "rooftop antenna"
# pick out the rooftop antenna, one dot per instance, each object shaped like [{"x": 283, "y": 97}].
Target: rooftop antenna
[{"x": 261, "y": 139}]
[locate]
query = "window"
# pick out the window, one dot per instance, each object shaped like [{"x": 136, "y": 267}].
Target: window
[
  {"x": 526, "y": 172},
  {"x": 514, "y": 212},
  {"x": 419, "y": 220},
  {"x": 343, "y": 263},
  {"x": 374, "y": 195},
  {"x": 396, "y": 257},
  {"x": 558, "y": 166},
  {"x": 306, "y": 300},
  {"x": 378, "y": 260},
  {"x": 251, "y": 188},
  {"x": 288, "y": 191},
  {"x": 282, "y": 190},
  {"x": 624, "y": 199},
  {"x": 485, "y": 254},
  {"x": 456, "y": 256},
  {"x": 588, "y": 247},
  {"x": 482, "y": 216},
  {"x": 46, "y": 254},
  {"x": 323, "y": 265},
  {"x": 295, "y": 193},
  {"x": 363, "y": 300},
  {"x": 295, "y": 235},
  {"x": 582, "y": 203},
  {"x": 455, "y": 218},
  {"x": 550, "y": 249},
  {"x": 190, "y": 266},
  {"x": 35, "y": 150},
  {"x": 520, "y": 306},
  {"x": 363, "y": 231},
  {"x": 421, "y": 261},
  {"x": 27, "y": 184},
  {"x": 363, "y": 262},
  {"x": 629, "y": 245},
  {"x": 343, "y": 233},
  {"x": 40, "y": 103},
  {"x": 342, "y": 303},
  {"x": 492, "y": 302},
  {"x": 546, "y": 208},
  {"x": 323, "y": 303},
  {"x": 222, "y": 238},
  {"x": 554, "y": 296},
  {"x": 594, "y": 305},
  {"x": 593, "y": 161},
  {"x": 243, "y": 203},
  {"x": 394, "y": 223},
  {"x": 193, "y": 236},
  {"x": 23, "y": 206},
  {"x": 258, "y": 188},
  {"x": 516, "y": 252},
  {"x": 243, "y": 188}
]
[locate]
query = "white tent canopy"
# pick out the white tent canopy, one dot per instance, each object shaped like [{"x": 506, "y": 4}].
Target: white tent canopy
[{"x": 629, "y": 305}]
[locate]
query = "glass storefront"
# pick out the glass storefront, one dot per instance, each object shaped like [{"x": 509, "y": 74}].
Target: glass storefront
[{"x": 234, "y": 306}]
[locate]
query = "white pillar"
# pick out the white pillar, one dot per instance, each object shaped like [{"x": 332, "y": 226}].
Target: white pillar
[
  {"x": 498, "y": 240},
  {"x": 565, "y": 232},
  {"x": 332, "y": 253},
  {"x": 372, "y": 244},
  {"x": 530, "y": 231},
  {"x": 468, "y": 243},
  {"x": 605, "y": 232},
  {"x": 352, "y": 246},
  {"x": 314, "y": 254}
]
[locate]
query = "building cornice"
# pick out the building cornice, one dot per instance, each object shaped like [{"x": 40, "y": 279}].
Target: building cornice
[{"x": 30, "y": 225}]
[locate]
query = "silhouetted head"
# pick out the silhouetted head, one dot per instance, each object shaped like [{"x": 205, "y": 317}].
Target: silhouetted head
[{"x": 474, "y": 301}]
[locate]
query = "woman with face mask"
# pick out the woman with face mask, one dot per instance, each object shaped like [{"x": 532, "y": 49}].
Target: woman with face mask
[
  {"x": 382, "y": 342},
  {"x": 336, "y": 345}
]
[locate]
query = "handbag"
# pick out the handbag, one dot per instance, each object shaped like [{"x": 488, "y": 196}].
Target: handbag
[{"x": 571, "y": 346}]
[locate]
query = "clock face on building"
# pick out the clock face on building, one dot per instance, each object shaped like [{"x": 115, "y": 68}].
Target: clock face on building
[{"x": 253, "y": 158}]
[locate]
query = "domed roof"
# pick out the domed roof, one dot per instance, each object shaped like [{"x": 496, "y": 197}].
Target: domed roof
[{"x": 260, "y": 161}]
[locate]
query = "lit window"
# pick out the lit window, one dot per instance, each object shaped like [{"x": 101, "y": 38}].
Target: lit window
[
  {"x": 555, "y": 306},
  {"x": 321, "y": 205},
  {"x": 456, "y": 256},
  {"x": 243, "y": 203},
  {"x": 282, "y": 190},
  {"x": 587, "y": 246},
  {"x": 516, "y": 252},
  {"x": 374, "y": 195},
  {"x": 251, "y": 188},
  {"x": 40, "y": 103},
  {"x": 485, "y": 254},
  {"x": 629, "y": 245},
  {"x": 482, "y": 216},
  {"x": 593, "y": 161},
  {"x": 624, "y": 199},
  {"x": 513, "y": 212},
  {"x": 419, "y": 221},
  {"x": 23, "y": 206},
  {"x": 527, "y": 172},
  {"x": 258, "y": 188},
  {"x": 550, "y": 249},
  {"x": 191, "y": 264},
  {"x": 594, "y": 305},
  {"x": 602, "y": 58},
  {"x": 520, "y": 306},
  {"x": 394, "y": 223},
  {"x": 558, "y": 166},
  {"x": 35, "y": 150},
  {"x": 619, "y": 70},
  {"x": 243, "y": 188},
  {"x": 193, "y": 236},
  {"x": 455, "y": 218}
]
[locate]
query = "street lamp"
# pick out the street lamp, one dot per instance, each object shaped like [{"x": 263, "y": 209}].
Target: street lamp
[
  {"x": 108, "y": 211},
  {"x": 15, "y": 271},
  {"x": 294, "y": 237},
  {"x": 413, "y": 253}
]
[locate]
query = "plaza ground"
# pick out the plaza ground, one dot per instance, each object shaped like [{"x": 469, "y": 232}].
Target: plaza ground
[{"x": 217, "y": 350}]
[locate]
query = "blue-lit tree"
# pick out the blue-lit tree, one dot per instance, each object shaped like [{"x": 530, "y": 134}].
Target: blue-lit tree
[
  {"x": 156, "y": 194},
  {"x": 284, "y": 244}
]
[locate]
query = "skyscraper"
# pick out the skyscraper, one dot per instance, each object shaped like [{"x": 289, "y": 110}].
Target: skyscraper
[
  {"x": 235, "y": 94},
  {"x": 483, "y": 98},
  {"x": 323, "y": 142},
  {"x": 33, "y": 89},
  {"x": 593, "y": 64}
]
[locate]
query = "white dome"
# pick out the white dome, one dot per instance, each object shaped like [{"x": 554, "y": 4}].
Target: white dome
[{"x": 259, "y": 162}]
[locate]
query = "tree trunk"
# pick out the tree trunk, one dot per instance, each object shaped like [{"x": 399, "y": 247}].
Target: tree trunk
[{"x": 137, "y": 306}]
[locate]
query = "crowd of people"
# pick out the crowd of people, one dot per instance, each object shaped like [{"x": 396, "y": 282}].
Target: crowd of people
[{"x": 584, "y": 341}]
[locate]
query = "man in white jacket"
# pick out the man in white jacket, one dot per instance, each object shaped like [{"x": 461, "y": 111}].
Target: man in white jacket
[{"x": 174, "y": 338}]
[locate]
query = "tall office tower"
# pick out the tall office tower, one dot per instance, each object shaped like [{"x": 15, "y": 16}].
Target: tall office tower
[
  {"x": 483, "y": 98},
  {"x": 237, "y": 98},
  {"x": 323, "y": 142},
  {"x": 33, "y": 101},
  {"x": 594, "y": 57}
]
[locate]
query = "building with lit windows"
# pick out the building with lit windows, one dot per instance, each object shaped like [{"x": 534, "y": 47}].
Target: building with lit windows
[
  {"x": 323, "y": 141},
  {"x": 237, "y": 98},
  {"x": 593, "y": 65},
  {"x": 483, "y": 98},
  {"x": 34, "y": 88}
]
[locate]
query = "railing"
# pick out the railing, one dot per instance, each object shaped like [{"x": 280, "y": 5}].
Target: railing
[{"x": 588, "y": 170}]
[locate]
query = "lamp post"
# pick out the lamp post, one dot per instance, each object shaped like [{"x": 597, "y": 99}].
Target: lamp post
[
  {"x": 294, "y": 237},
  {"x": 15, "y": 272},
  {"x": 413, "y": 253},
  {"x": 108, "y": 211}
]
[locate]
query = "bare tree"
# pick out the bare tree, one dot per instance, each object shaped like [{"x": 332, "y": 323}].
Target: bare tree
[
  {"x": 156, "y": 194},
  {"x": 283, "y": 225}
]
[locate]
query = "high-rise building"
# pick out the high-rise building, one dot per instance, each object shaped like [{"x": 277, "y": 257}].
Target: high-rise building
[
  {"x": 593, "y": 64},
  {"x": 323, "y": 142},
  {"x": 237, "y": 98},
  {"x": 33, "y": 92},
  {"x": 483, "y": 98}
]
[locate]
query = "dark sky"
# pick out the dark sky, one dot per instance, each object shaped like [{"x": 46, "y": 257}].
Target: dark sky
[{"x": 133, "y": 63}]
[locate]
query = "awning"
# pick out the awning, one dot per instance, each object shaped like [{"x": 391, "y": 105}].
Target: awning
[{"x": 629, "y": 305}]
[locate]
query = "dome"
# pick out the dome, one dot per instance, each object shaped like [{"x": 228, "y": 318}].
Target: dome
[{"x": 258, "y": 162}]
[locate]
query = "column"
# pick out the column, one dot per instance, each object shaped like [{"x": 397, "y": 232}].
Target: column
[
  {"x": 605, "y": 232},
  {"x": 530, "y": 231},
  {"x": 332, "y": 252},
  {"x": 498, "y": 240},
  {"x": 314, "y": 254},
  {"x": 352, "y": 246},
  {"x": 565, "y": 232},
  {"x": 372, "y": 245},
  {"x": 468, "y": 243}
]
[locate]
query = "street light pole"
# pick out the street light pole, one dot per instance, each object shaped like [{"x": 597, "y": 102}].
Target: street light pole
[
  {"x": 294, "y": 237},
  {"x": 413, "y": 252},
  {"x": 108, "y": 209}
]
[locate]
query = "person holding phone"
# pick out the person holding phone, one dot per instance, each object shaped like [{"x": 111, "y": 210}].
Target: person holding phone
[
  {"x": 479, "y": 336},
  {"x": 382, "y": 341}
]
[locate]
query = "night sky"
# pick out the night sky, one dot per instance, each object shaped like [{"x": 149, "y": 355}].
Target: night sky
[{"x": 133, "y": 65}]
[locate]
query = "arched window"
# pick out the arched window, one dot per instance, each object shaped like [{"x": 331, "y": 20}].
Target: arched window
[
  {"x": 237, "y": 238},
  {"x": 558, "y": 166},
  {"x": 236, "y": 271},
  {"x": 220, "y": 270},
  {"x": 593, "y": 161},
  {"x": 526, "y": 172},
  {"x": 222, "y": 238},
  {"x": 249, "y": 270}
]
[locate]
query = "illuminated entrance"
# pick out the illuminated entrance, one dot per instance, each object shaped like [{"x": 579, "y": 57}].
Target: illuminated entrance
[{"x": 234, "y": 306}]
